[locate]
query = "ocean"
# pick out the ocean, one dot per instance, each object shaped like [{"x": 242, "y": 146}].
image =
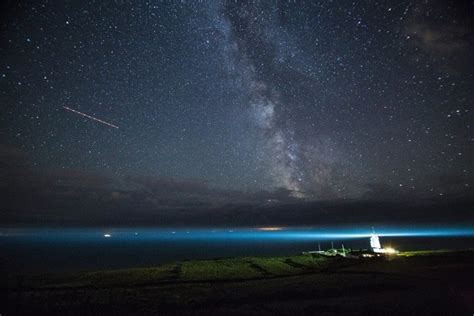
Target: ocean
[{"x": 53, "y": 250}]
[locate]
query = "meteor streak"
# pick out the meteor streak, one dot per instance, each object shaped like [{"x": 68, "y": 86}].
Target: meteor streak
[{"x": 90, "y": 117}]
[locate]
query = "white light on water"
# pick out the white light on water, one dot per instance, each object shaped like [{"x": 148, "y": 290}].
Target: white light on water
[{"x": 107, "y": 235}]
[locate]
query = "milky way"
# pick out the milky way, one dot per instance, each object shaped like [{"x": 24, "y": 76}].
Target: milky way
[{"x": 251, "y": 33}]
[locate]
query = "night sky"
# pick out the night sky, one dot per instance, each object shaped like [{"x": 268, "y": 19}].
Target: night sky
[{"x": 236, "y": 112}]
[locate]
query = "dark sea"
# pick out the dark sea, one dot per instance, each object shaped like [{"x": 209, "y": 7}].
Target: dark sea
[{"x": 35, "y": 251}]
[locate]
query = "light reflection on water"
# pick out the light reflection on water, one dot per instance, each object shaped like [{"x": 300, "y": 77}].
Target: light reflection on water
[
  {"x": 61, "y": 250},
  {"x": 262, "y": 233}
]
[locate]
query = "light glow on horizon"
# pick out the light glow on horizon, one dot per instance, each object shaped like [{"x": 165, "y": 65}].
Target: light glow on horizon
[
  {"x": 270, "y": 229},
  {"x": 268, "y": 233}
]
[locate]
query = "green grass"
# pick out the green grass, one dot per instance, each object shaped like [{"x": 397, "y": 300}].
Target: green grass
[
  {"x": 106, "y": 278},
  {"x": 409, "y": 284},
  {"x": 425, "y": 252},
  {"x": 245, "y": 268},
  {"x": 129, "y": 276},
  {"x": 290, "y": 265},
  {"x": 217, "y": 270}
]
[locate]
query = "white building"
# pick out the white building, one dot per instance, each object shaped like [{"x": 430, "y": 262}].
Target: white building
[{"x": 377, "y": 247}]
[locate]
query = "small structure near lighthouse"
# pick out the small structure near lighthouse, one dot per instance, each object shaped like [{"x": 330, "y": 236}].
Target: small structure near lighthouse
[{"x": 375, "y": 250}]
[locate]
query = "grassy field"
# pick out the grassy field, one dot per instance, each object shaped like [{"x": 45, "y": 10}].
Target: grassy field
[
  {"x": 426, "y": 252},
  {"x": 436, "y": 282},
  {"x": 235, "y": 269}
]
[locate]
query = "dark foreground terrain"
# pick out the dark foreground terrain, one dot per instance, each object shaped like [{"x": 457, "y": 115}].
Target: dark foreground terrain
[{"x": 418, "y": 283}]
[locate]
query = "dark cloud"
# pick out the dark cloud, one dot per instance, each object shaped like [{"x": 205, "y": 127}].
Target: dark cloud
[
  {"x": 443, "y": 31},
  {"x": 442, "y": 186},
  {"x": 72, "y": 197},
  {"x": 439, "y": 40}
]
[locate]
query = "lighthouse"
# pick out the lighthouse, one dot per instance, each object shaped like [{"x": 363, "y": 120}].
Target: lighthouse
[
  {"x": 375, "y": 242},
  {"x": 377, "y": 247}
]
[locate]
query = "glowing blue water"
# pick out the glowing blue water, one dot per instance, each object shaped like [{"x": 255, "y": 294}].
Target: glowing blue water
[
  {"x": 281, "y": 234},
  {"x": 56, "y": 250}
]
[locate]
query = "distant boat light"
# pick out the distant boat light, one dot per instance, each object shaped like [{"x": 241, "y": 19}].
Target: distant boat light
[{"x": 107, "y": 235}]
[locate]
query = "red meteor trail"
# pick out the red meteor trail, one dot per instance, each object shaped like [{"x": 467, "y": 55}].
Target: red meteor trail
[{"x": 90, "y": 117}]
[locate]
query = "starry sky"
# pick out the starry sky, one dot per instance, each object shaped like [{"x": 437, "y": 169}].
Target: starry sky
[{"x": 226, "y": 106}]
